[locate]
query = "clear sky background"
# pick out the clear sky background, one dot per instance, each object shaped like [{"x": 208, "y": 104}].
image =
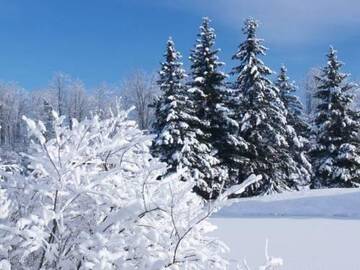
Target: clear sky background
[{"x": 105, "y": 40}]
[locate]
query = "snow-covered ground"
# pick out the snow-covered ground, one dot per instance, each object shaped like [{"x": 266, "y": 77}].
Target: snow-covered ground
[
  {"x": 304, "y": 244},
  {"x": 329, "y": 203},
  {"x": 313, "y": 230}
]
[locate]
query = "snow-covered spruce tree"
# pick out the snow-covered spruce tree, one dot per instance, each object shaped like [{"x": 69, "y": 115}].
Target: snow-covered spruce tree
[
  {"x": 298, "y": 127},
  {"x": 173, "y": 112},
  {"x": 336, "y": 154},
  {"x": 295, "y": 116},
  {"x": 213, "y": 103},
  {"x": 207, "y": 92},
  {"x": 262, "y": 121},
  {"x": 178, "y": 129},
  {"x": 93, "y": 201}
]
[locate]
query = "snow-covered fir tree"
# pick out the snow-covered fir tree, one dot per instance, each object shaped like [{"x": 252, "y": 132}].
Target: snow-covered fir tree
[
  {"x": 169, "y": 106},
  {"x": 213, "y": 101},
  {"x": 207, "y": 92},
  {"x": 262, "y": 119},
  {"x": 297, "y": 125},
  {"x": 177, "y": 126},
  {"x": 336, "y": 153},
  {"x": 295, "y": 116}
]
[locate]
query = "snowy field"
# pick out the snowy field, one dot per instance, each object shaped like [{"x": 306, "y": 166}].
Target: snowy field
[
  {"x": 316, "y": 230},
  {"x": 303, "y": 243},
  {"x": 327, "y": 203}
]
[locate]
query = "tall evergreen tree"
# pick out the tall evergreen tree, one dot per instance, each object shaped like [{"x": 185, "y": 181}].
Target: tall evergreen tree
[
  {"x": 262, "y": 121},
  {"x": 336, "y": 155},
  {"x": 214, "y": 103},
  {"x": 295, "y": 116},
  {"x": 177, "y": 126},
  {"x": 207, "y": 81},
  {"x": 171, "y": 110},
  {"x": 298, "y": 127},
  {"x": 208, "y": 92}
]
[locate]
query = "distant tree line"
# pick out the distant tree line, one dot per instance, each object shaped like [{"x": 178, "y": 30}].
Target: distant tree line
[{"x": 69, "y": 97}]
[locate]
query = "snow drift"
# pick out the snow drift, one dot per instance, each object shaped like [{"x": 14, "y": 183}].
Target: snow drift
[{"x": 327, "y": 203}]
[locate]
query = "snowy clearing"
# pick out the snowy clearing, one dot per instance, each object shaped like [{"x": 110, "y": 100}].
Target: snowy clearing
[
  {"x": 310, "y": 230},
  {"x": 326, "y": 203},
  {"x": 303, "y": 244}
]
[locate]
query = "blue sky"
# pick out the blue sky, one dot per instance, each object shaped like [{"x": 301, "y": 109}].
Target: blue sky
[{"x": 98, "y": 41}]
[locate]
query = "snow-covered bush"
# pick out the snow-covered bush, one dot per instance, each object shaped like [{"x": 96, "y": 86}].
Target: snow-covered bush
[
  {"x": 4, "y": 214},
  {"x": 271, "y": 263},
  {"x": 92, "y": 200},
  {"x": 5, "y": 210}
]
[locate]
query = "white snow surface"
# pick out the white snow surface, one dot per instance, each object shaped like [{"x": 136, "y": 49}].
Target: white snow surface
[
  {"x": 309, "y": 230},
  {"x": 322, "y": 203},
  {"x": 302, "y": 243}
]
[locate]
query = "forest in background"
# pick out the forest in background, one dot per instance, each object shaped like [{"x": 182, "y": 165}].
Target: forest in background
[{"x": 69, "y": 96}]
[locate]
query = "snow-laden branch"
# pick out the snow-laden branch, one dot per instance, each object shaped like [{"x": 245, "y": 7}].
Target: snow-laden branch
[{"x": 92, "y": 200}]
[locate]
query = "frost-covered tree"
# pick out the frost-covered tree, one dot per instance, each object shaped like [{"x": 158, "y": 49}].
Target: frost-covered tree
[
  {"x": 214, "y": 103},
  {"x": 63, "y": 94},
  {"x": 310, "y": 85},
  {"x": 78, "y": 105},
  {"x": 59, "y": 88},
  {"x": 104, "y": 100},
  {"x": 177, "y": 126},
  {"x": 48, "y": 120},
  {"x": 297, "y": 126},
  {"x": 139, "y": 90},
  {"x": 14, "y": 102},
  {"x": 92, "y": 201},
  {"x": 295, "y": 116},
  {"x": 172, "y": 112},
  {"x": 8, "y": 212},
  {"x": 5, "y": 238},
  {"x": 207, "y": 91},
  {"x": 336, "y": 156},
  {"x": 262, "y": 119}
]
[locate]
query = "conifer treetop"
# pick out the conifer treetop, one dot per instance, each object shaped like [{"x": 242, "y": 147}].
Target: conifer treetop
[
  {"x": 333, "y": 77},
  {"x": 252, "y": 72},
  {"x": 171, "y": 70},
  {"x": 204, "y": 59},
  {"x": 249, "y": 51},
  {"x": 287, "y": 90},
  {"x": 333, "y": 88}
]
